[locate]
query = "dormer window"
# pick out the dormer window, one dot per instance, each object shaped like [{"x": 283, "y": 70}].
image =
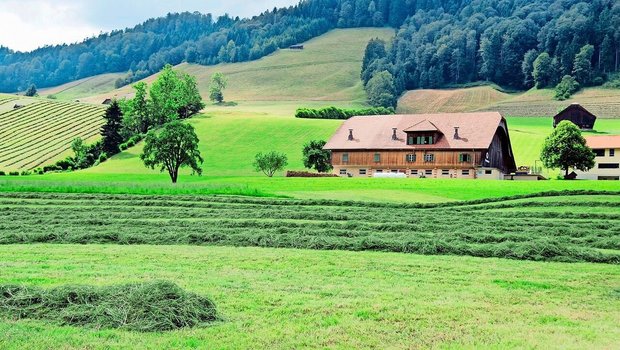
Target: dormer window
[{"x": 426, "y": 139}]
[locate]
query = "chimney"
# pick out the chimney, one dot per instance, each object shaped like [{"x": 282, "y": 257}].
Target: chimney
[
  {"x": 456, "y": 133},
  {"x": 350, "y": 134},
  {"x": 394, "y": 137}
]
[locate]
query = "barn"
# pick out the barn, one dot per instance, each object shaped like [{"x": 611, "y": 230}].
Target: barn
[
  {"x": 451, "y": 145},
  {"x": 576, "y": 114}
]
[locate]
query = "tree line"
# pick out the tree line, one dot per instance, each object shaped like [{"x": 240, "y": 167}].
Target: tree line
[{"x": 517, "y": 44}]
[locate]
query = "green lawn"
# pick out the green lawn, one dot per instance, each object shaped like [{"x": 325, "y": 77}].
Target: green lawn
[{"x": 296, "y": 299}]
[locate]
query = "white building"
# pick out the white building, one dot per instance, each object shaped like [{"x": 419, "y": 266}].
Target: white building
[{"x": 607, "y": 149}]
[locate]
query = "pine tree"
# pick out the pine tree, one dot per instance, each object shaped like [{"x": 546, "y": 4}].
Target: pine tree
[{"x": 110, "y": 131}]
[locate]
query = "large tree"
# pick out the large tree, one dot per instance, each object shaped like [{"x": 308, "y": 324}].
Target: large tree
[
  {"x": 566, "y": 148},
  {"x": 219, "y": 82},
  {"x": 315, "y": 157},
  {"x": 174, "y": 147},
  {"x": 543, "y": 71},
  {"x": 582, "y": 66},
  {"x": 111, "y": 130}
]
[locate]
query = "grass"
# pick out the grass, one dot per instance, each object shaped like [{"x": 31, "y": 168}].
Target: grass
[
  {"x": 296, "y": 299},
  {"x": 327, "y": 70},
  {"x": 41, "y": 132},
  {"x": 450, "y": 100},
  {"x": 84, "y": 87},
  {"x": 142, "y": 307},
  {"x": 465, "y": 228}
]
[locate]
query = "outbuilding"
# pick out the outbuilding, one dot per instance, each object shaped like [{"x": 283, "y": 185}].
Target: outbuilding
[{"x": 576, "y": 114}]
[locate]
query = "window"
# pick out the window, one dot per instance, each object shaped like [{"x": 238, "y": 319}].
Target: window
[
  {"x": 411, "y": 158},
  {"x": 429, "y": 157},
  {"x": 377, "y": 158},
  {"x": 379, "y": 171},
  {"x": 609, "y": 178},
  {"x": 362, "y": 171},
  {"x": 465, "y": 172},
  {"x": 488, "y": 172},
  {"x": 612, "y": 152},
  {"x": 343, "y": 171},
  {"x": 464, "y": 158},
  {"x": 421, "y": 140},
  {"x": 429, "y": 172},
  {"x": 394, "y": 171},
  {"x": 414, "y": 172},
  {"x": 609, "y": 166},
  {"x": 445, "y": 172},
  {"x": 345, "y": 157},
  {"x": 599, "y": 152}
]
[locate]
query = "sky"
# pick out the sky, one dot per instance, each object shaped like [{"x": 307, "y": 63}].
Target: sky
[{"x": 28, "y": 24}]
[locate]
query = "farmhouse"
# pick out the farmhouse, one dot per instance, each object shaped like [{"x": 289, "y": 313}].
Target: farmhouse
[
  {"x": 296, "y": 47},
  {"x": 576, "y": 114},
  {"x": 463, "y": 145},
  {"x": 607, "y": 150}
]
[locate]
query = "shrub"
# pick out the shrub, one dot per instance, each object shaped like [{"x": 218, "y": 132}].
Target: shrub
[
  {"x": 14, "y": 173},
  {"x": 26, "y": 173},
  {"x": 307, "y": 174},
  {"x": 340, "y": 113},
  {"x": 50, "y": 168},
  {"x": 566, "y": 88},
  {"x": 103, "y": 157},
  {"x": 144, "y": 307},
  {"x": 123, "y": 146},
  {"x": 2, "y": 173}
]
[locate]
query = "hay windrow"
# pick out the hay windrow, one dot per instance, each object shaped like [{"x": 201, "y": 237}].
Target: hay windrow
[{"x": 143, "y": 307}]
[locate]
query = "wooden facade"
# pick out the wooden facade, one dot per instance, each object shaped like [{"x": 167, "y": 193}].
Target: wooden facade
[{"x": 577, "y": 115}]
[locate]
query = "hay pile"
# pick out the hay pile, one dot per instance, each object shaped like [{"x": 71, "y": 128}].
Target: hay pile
[{"x": 143, "y": 307}]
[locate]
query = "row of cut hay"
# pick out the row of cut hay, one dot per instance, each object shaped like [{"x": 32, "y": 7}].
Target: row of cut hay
[{"x": 42, "y": 113}]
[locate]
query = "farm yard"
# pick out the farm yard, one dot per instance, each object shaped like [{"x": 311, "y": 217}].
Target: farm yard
[{"x": 39, "y": 132}]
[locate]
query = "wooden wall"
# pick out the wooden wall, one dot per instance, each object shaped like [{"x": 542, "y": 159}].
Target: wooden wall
[{"x": 398, "y": 159}]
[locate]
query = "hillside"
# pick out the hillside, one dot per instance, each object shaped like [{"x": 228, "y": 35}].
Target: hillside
[
  {"x": 84, "y": 87},
  {"x": 605, "y": 103},
  {"x": 42, "y": 130},
  {"x": 326, "y": 70}
]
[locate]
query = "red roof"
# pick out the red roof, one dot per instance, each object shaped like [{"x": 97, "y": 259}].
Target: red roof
[
  {"x": 607, "y": 141},
  {"x": 476, "y": 131}
]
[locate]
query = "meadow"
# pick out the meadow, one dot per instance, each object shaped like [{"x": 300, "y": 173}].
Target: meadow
[{"x": 301, "y": 299}]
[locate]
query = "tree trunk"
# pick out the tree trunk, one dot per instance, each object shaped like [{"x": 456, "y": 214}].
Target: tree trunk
[
  {"x": 174, "y": 174},
  {"x": 566, "y": 174}
]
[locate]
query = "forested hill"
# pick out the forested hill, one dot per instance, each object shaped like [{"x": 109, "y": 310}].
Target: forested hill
[
  {"x": 514, "y": 43},
  {"x": 440, "y": 42}
]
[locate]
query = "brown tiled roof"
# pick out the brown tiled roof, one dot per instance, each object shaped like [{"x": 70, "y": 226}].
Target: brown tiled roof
[
  {"x": 424, "y": 125},
  {"x": 476, "y": 131},
  {"x": 607, "y": 141}
]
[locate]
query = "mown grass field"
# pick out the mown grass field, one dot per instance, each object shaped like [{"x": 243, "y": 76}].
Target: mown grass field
[
  {"x": 450, "y": 100},
  {"x": 301, "y": 299},
  {"x": 499, "y": 228},
  {"x": 42, "y": 131},
  {"x": 604, "y": 103}
]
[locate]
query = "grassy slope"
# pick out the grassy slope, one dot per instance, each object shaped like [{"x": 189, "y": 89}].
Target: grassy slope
[
  {"x": 450, "y": 100},
  {"x": 84, "y": 87},
  {"x": 294, "y": 299},
  {"x": 604, "y": 103},
  {"x": 326, "y": 70}
]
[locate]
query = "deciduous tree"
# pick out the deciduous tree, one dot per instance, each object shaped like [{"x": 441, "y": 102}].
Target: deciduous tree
[
  {"x": 565, "y": 148},
  {"x": 174, "y": 147},
  {"x": 315, "y": 157},
  {"x": 271, "y": 162},
  {"x": 219, "y": 82}
]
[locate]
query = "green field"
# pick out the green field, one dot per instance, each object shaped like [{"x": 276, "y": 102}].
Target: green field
[
  {"x": 300, "y": 299},
  {"x": 41, "y": 132}
]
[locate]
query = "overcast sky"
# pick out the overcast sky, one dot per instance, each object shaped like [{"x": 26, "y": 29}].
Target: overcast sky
[{"x": 28, "y": 24}]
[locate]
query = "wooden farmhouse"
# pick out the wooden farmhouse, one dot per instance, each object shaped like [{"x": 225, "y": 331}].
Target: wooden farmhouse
[
  {"x": 463, "y": 145},
  {"x": 578, "y": 115}
]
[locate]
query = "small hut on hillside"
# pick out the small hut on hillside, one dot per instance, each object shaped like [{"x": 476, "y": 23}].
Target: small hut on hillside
[
  {"x": 576, "y": 114},
  {"x": 107, "y": 101},
  {"x": 296, "y": 47}
]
